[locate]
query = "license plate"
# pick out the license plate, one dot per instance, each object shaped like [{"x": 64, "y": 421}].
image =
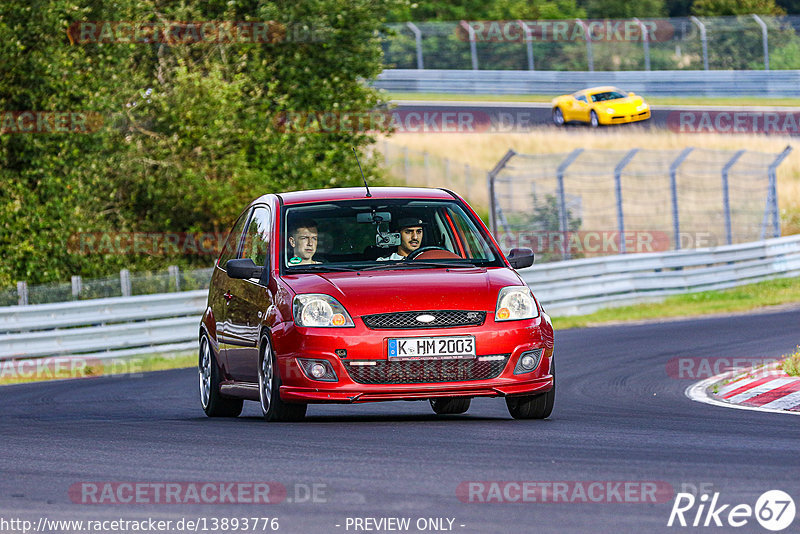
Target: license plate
[{"x": 418, "y": 348}]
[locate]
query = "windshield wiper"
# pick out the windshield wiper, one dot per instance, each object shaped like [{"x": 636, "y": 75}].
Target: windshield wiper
[
  {"x": 320, "y": 267},
  {"x": 400, "y": 264}
]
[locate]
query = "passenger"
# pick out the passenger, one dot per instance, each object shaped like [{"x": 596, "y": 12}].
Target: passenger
[
  {"x": 303, "y": 238},
  {"x": 410, "y": 238}
]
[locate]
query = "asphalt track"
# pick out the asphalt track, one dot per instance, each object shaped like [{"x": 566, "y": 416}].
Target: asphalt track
[
  {"x": 619, "y": 416},
  {"x": 511, "y": 117}
]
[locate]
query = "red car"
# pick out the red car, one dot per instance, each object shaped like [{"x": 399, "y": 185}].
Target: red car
[{"x": 356, "y": 295}]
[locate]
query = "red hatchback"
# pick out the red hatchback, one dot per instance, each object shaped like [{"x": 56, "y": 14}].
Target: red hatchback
[{"x": 350, "y": 295}]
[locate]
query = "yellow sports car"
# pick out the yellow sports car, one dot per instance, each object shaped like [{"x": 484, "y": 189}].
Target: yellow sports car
[{"x": 600, "y": 105}]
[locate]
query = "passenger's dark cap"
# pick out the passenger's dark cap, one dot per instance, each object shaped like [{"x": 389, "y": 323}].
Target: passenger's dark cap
[{"x": 408, "y": 222}]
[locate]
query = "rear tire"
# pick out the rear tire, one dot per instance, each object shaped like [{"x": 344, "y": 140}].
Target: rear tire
[
  {"x": 450, "y": 405},
  {"x": 212, "y": 401},
  {"x": 533, "y": 406},
  {"x": 269, "y": 387}
]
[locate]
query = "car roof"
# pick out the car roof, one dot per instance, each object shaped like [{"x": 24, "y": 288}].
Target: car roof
[{"x": 354, "y": 193}]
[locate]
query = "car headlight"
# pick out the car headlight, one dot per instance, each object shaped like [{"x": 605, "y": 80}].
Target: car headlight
[
  {"x": 319, "y": 310},
  {"x": 609, "y": 110},
  {"x": 641, "y": 107},
  {"x": 515, "y": 303}
]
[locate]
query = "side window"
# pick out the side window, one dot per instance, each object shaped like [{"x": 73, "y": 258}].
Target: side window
[
  {"x": 231, "y": 246},
  {"x": 582, "y": 98},
  {"x": 257, "y": 238}
]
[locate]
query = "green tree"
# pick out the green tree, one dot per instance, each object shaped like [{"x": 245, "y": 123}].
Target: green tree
[
  {"x": 625, "y": 9},
  {"x": 720, "y": 8},
  {"x": 190, "y": 130}
]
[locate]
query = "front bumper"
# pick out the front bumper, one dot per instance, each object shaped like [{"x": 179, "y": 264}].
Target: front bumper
[{"x": 364, "y": 345}]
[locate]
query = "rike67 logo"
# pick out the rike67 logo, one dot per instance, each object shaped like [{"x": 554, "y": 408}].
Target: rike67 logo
[{"x": 774, "y": 510}]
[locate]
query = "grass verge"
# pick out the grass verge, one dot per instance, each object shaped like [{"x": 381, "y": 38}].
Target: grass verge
[
  {"x": 655, "y": 100},
  {"x": 791, "y": 365},
  {"x": 56, "y": 368},
  {"x": 738, "y": 299}
]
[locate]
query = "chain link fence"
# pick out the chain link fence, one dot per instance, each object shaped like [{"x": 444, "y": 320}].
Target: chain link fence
[
  {"x": 599, "y": 202},
  {"x": 416, "y": 168},
  {"x": 748, "y": 42}
]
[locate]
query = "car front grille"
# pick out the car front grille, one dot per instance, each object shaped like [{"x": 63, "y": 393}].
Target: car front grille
[
  {"x": 441, "y": 319},
  {"x": 422, "y": 371}
]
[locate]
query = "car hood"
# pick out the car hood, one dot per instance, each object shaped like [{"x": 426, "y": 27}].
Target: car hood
[{"x": 363, "y": 293}]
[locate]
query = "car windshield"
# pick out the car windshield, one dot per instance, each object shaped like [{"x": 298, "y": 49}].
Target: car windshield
[
  {"x": 607, "y": 95},
  {"x": 369, "y": 234}
]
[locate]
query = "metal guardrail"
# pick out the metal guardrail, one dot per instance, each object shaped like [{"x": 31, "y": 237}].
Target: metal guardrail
[
  {"x": 713, "y": 83},
  {"x": 108, "y": 328},
  {"x": 586, "y": 285},
  {"x": 102, "y": 328}
]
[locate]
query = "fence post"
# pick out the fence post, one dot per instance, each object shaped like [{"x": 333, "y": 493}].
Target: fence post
[
  {"x": 125, "y": 282},
  {"x": 528, "y": 43},
  {"x": 563, "y": 223},
  {"x": 473, "y": 51},
  {"x": 418, "y": 40},
  {"x": 22, "y": 293},
  {"x": 726, "y": 203},
  {"x": 490, "y": 178},
  {"x": 405, "y": 163},
  {"x": 645, "y": 43},
  {"x": 618, "y": 192},
  {"x": 772, "y": 196},
  {"x": 673, "y": 183},
  {"x": 175, "y": 273},
  {"x": 588, "y": 35},
  {"x": 764, "y": 39},
  {"x": 703, "y": 40},
  {"x": 77, "y": 286}
]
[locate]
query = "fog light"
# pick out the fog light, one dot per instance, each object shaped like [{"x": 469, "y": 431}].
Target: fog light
[
  {"x": 528, "y": 361},
  {"x": 317, "y": 370}
]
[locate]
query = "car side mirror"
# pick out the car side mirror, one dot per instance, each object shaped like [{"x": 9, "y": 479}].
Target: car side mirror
[
  {"x": 631, "y": 94},
  {"x": 243, "y": 269},
  {"x": 519, "y": 258}
]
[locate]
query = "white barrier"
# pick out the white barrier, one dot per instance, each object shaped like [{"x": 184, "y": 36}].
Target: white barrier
[{"x": 585, "y": 285}]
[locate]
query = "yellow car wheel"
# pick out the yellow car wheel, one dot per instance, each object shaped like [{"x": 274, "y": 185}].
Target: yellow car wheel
[
  {"x": 558, "y": 117},
  {"x": 594, "y": 121}
]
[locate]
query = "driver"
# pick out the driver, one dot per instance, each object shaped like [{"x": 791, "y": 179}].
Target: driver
[
  {"x": 410, "y": 238},
  {"x": 303, "y": 238}
]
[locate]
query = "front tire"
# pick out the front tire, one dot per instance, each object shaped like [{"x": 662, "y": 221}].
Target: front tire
[
  {"x": 269, "y": 386},
  {"x": 558, "y": 117},
  {"x": 450, "y": 405},
  {"x": 594, "y": 121},
  {"x": 533, "y": 406},
  {"x": 212, "y": 401}
]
